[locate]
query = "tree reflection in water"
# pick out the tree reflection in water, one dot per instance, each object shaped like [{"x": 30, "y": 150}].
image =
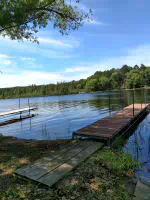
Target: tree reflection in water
[{"x": 138, "y": 145}]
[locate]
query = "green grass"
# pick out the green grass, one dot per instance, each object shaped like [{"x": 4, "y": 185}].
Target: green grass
[
  {"x": 121, "y": 163},
  {"x": 104, "y": 176}
]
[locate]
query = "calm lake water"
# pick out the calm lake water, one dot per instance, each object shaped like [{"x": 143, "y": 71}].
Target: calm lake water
[
  {"x": 58, "y": 116},
  {"x": 138, "y": 144}
]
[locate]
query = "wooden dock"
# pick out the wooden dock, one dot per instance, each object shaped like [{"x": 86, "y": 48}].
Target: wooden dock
[
  {"x": 57, "y": 164},
  {"x": 53, "y": 167},
  {"x": 112, "y": 126},
  {"x": 12, "y": 112}
]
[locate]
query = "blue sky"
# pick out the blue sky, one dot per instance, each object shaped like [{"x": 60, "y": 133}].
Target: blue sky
[{"x": 119, "y": 34}]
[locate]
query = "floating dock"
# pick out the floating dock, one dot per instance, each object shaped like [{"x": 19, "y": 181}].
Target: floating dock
[
  {"x": 108, "y": 128},
  {"x": 12, "y": 112}
]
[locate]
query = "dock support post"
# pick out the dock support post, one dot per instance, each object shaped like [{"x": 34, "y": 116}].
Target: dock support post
[
  {"x": 19, "y": 102},
  {"x": 133, "y": 104},
  {"x": 108, "y": 142},
  {"x": 19, "y": 108},
  {"x": 121, "y": 98},
  {"x": 29, "y": 105},
  {"x": 73, "y": 137},
  {"x": 145, "y": 94},
  {"x": 109, "y": 105}
]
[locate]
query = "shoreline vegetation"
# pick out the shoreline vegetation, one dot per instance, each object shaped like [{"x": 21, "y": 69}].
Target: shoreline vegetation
[
  {"x": 82, "y": 92},
  {"x": 110, "y": 80},
  {"x": 96, "y": 178}
]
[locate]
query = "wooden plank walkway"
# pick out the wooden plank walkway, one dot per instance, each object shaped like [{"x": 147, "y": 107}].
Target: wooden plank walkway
[
  {"x": 57, "y": 164},
  {"x": 17, "y": 111},
  {"x": 111, "y": 125}
]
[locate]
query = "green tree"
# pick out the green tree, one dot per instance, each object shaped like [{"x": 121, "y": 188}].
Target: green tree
[
  {"x": 134, "y": 79},
  {"x": 142, "y": 67},
  {"x": 43, "y": 91},
  {"x": 63, "y": 88},
  {"x": 82, "y": 82},
  {"x": 116, "y": 80},
  {"x": 147, "y": 76},
  {"x": 104, "y": 83},
  {"x": 21, "y": 19},
  {"x": 136, "y": 67},
  {"x": 125, "y": 69},
  {"x": 91, "y": 85},
  {"x": 79, "y": 86}
]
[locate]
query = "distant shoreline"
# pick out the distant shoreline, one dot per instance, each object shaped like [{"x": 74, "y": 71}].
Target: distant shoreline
[{"x": 83, "y": 92}]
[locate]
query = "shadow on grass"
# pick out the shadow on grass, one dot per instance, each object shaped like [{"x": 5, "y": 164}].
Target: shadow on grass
[
  {"x": 90, "y": 181},
  {"x": 15, "y": 153}
]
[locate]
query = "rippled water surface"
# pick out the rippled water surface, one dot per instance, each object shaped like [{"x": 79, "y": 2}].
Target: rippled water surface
[
  {"x": 138, "y": 145},
  {"x": 58, "y": 116}
]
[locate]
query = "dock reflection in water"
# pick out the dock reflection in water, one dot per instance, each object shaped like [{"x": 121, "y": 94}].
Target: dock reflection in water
[{"x": 59, "y": 116}]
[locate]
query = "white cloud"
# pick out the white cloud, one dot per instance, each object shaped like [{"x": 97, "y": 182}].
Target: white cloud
[
  {"x": 30, "y": 63},
  {"x": 11, "y": 69},
  {"x": 53, "y": 54},
  {"x": 4, "y": 56},
  {"x": 27, "y": 59},
  {"x": 68, "y": 42},
  {"x": 79, "y": 6},
  {"x": 138, "y": 55},
  {"x": 54, "y": 42},
  {"x": 7, "y": 62},
  {"x": 76, "y": 69},
  {"x": 27, "y": 78},
  {"x": 40, "y": 50},
  {"x": 95, "y": 22},
  {"x": 30, "y": 77},
  {"x": 34, "y": 66},
  {"x": 85, "y": 9}
]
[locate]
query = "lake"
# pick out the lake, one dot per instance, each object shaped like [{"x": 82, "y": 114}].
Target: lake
[
  {"x": 138, "y": 145},
  {"x": 58, "y": 116}
]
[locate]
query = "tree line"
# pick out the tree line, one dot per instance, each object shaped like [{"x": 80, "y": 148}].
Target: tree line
[{"x": 126, "y": 77}]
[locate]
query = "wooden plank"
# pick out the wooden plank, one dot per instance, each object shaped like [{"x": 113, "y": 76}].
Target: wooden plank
[
  {"x": 110, "y": 125},
  {"x": 36, "y": 171},
  {"x": 57, "y": 174},
  {"x": 17, "y": 111},
  {"x": 53, "y": 154}
]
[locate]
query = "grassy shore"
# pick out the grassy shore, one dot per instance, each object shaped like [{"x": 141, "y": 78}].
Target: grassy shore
[{"x": 106, "y": 175}]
